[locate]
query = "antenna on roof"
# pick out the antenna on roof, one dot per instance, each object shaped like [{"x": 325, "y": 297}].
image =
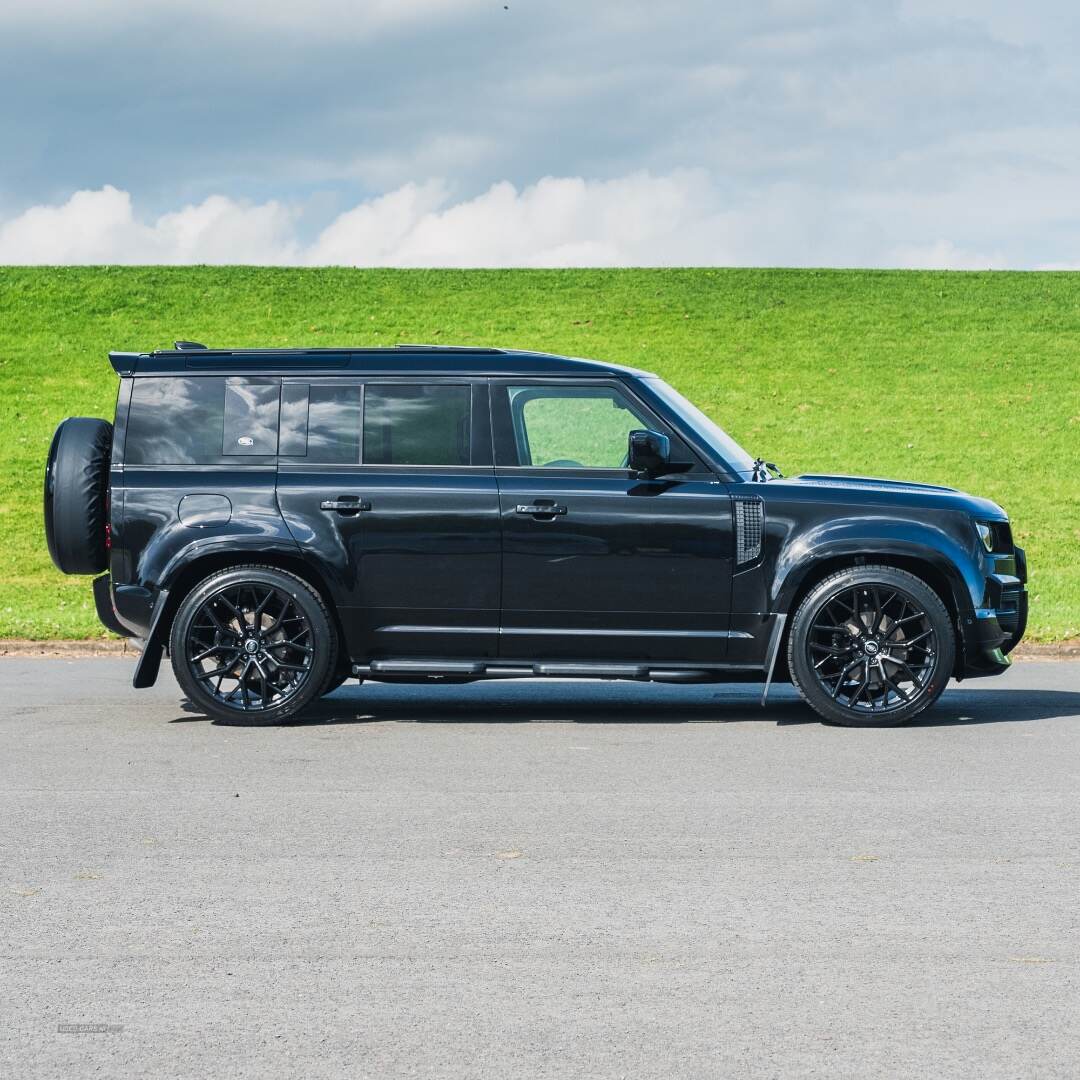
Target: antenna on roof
[{"x": 188, "y": 346}]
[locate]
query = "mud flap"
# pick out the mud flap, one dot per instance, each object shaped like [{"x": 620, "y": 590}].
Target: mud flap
[{"x": 146, "y": 670}]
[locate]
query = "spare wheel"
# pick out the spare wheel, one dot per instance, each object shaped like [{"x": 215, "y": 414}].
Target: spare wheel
[{"x": 77, "y": 493}]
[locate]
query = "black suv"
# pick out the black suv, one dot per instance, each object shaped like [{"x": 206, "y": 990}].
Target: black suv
[{"x": 282, "y": 520}]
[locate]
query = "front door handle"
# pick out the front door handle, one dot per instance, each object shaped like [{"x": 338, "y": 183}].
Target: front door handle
[
  {"x": 549, "y": 510},
  {"x": 346, "y": 505}
]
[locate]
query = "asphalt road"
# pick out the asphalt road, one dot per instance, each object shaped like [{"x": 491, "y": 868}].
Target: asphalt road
[{"x": 529, "y": 879}]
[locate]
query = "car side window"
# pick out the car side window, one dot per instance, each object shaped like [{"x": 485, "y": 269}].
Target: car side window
[
  {"x": 320, "y": 422},
  {"x": 176, "y": 421},
  {"x": 572, "y": 427},
  {"x": 251, "y": 417},
  {"x": 417, "y": 424},
  {"x": 345, "y": 422}
]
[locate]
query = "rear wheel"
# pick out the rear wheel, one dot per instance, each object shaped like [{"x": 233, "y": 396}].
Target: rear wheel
[
  {"x": 253, "y": 645},
  {"x": 871, "y": 647}
]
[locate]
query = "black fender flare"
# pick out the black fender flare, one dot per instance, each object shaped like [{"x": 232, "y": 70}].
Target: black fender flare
[
  {"x": 208, "y": 553},
  {"x": 903, "y": 540}
]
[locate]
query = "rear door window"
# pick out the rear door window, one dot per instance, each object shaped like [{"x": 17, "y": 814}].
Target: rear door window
[
  {"x": 417, "y": 424},
  {"x": 320, "y": 422}
]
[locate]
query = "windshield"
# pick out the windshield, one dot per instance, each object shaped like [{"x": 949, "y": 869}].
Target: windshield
[{"x": 713, "y": 434}]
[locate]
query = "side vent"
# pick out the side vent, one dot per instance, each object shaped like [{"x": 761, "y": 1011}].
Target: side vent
[{"x": 749, "y": 528}]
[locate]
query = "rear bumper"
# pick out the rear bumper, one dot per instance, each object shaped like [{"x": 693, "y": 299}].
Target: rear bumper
[
  {"x": 135, "y": 607},
  {"x": 106, "y": 611}
]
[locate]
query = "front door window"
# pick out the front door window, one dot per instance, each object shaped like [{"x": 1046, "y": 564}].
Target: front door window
[{"x": 567, "y": 427}]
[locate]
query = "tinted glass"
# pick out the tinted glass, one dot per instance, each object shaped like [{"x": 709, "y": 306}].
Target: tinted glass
[
  {"x": 251, "y": 416},
  {"x": 417, "y": 424},
  {"x": 320, "y": 422},
  {"x": 292, "y": 441},
  {"x": 572, "y": 427},
  {"x": 333, "y": 429},
  {"x": 714, "y": 435},
  {"x": 175, "y": 421}
]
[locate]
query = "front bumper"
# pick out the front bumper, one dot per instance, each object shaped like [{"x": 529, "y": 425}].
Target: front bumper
[{"x": 992, "y": 631}]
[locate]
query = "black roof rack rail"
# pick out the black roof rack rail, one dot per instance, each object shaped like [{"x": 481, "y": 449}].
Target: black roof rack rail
[
  {"x": 316, "y": 350},
  {"x": 446, "y": 348}
]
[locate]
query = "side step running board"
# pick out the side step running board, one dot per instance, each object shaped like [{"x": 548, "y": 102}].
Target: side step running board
[
  {"x": 495, "y": 669},
  {"x": 419, "y": 667}
]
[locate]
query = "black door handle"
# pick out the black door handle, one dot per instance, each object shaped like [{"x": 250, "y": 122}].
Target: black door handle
[
  {"x": 346, "y": 505},
  {"x": 540, "y": 510}
]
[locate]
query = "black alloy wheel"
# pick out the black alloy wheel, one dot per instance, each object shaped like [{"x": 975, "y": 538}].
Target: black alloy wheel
[
  {"x": 871, "y": 647},
  {"x": 253, "y": 645}
]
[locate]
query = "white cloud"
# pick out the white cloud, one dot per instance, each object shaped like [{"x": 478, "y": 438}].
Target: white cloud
[
  {"x": 680, "y": 219},
  {"x": 637, "y": 220},
  {"x": 101, "y": 227}
]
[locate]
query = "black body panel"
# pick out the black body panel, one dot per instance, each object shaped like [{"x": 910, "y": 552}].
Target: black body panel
[
  {"x": 416, "y": 572},
  {"x": 631, "y": 567}
]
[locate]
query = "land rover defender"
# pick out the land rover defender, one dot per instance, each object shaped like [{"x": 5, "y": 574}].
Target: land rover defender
[{"x": 280, "y": 520}]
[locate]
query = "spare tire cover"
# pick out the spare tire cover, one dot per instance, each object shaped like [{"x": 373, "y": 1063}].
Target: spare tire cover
[{"x": 76, "y": 494}]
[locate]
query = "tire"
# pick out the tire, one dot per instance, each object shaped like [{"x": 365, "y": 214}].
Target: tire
[
  {"x": 871, "y": 646},
  {"x": 335, "y": 681},
  {"x": 294, "y": 653},
  {"x": 77, "y": 495}
]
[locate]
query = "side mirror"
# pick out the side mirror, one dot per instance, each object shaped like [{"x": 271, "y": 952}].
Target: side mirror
[{"x": 649, "y": 452}]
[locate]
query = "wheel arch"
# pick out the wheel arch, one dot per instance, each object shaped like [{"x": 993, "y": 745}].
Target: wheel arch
[
  {"x": 185, "y": 574},
  {"x": 943, "y": 576}
]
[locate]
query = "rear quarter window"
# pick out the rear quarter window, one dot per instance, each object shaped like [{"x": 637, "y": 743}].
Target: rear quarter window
[
  {"x": 251, "y": 417},
  {"x": 201, "y": 421},
  {"x": 175, "y": 421}
]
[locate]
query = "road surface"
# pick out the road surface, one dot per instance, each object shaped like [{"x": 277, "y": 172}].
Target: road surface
[{"x": 537, "y": 880}]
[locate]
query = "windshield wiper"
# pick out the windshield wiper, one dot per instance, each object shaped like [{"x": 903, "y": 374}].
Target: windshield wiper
[{"x": 763, "y": 468}]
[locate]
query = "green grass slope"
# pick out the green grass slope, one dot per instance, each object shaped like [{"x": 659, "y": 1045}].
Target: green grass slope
[{"x": 968, "y": 379}]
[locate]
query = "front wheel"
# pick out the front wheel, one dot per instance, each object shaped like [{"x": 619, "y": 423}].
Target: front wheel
[
  {"x": 871, "y": 647},
  {"x": 253, "y": 645}
]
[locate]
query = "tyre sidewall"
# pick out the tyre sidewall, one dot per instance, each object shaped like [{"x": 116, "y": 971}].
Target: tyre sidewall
[
  {"x": 324, "y": 639},
  {"x": 804, "y": 677},
  {"x": 76, "y": 495}
]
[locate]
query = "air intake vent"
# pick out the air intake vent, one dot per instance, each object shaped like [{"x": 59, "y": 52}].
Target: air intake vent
[{"x": 749, "y": 528}]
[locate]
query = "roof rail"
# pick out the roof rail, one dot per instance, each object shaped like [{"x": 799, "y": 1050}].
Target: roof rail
[
  {"x": 189, "y": 346},
  {"x": 447, "y": 348}
]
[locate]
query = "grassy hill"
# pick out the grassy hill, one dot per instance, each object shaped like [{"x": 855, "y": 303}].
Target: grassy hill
[{"x": 969, "y": 379}]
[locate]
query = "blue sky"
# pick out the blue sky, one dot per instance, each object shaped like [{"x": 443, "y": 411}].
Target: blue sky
[{"x": 467, "y": 132}]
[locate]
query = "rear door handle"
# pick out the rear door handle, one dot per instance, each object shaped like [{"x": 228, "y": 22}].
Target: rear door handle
[
  {"x": 346, "y": 505},
  {"x": 551, "y": 510}
]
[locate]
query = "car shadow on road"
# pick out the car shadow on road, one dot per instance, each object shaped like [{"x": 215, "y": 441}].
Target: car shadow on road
[{"x": 527, "y": 703}]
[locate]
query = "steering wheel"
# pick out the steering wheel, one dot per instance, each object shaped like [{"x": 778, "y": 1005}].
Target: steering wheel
[{"x": 562, "y": 463}]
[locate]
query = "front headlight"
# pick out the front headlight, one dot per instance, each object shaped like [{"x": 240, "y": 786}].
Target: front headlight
[{"x": 986, "y": 535}]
